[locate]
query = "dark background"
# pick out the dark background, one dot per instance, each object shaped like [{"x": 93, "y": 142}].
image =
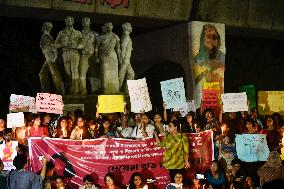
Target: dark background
[{"x": 249, "y": 60}]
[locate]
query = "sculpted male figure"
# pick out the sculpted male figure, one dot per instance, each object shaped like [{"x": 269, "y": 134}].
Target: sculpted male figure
[
  {"x": 50, "y": 53},
  {"x": 86, "y": 53},
  {"x": 126, "y": 71},
  {"x": 109, "y": 55},
  {"x": 71, "y": 41}
]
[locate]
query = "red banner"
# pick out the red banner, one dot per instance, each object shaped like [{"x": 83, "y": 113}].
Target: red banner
[{"x": 75, "y": 159}]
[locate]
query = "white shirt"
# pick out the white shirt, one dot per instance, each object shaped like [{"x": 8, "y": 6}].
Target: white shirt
[
  {"x": 138, "y": 134},
  {"x": 125, "y": 132}
]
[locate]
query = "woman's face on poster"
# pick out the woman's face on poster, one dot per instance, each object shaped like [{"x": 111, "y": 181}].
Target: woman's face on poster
[{"x": 211, "y": 39}]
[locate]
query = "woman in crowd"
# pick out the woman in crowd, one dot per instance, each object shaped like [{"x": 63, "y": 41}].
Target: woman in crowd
[
  {"x": 209, "y": 120},
  {"x": 137, "y": 181},
  {"x": 250, "y": 127},
  {"x": 160, "y": 127},
  {"x": 189, "y": 126},
  {"x": 178, "y": 184},
  {"x": 105, "y": 130},
  {"x": 2, "y": 125},
  {"x": 88, "y": 183},
  {"x": 271, "y": 132},
  {"x": 226, "y": 146},
  {"x": 176, "y": 150},
  {"x": 109, "y": 182},
  {"x": 62, "y": 130},
  {"x": 36, "y": 130},
  {"x": 93, "y": 128},
  {"x": 215, "y": 176},
  {"x": 124, "y": 131},
  {"x": 80, "y": 131}
]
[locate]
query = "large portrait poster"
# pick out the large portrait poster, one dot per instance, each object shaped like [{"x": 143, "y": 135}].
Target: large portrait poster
[
  {"x": 270, "y": 102},
  {"x": 208, "y": 55}
]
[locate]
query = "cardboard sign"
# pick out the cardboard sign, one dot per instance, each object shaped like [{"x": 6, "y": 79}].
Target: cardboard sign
[
  {"x": 20, "y": 103},
  {"x": 49, "y": 103},
  {"x": 252, "y": 147},
  {"x": 110, "y": 103},
  {"x": 15, "y": 120},
  {"x": 173, "y": 92},
  {"x": 234, "y": 102},
  {"x": 7, "y": 154},
  {"x": 139, "y": 96}
]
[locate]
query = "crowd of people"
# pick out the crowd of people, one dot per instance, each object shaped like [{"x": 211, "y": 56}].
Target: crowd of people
[{"x": 168, "y": 128}]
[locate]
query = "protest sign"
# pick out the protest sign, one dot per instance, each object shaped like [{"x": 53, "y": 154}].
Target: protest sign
[
  {"x": 139, "y": 96},
  {"x": 252, "y": 147},
  {"x": 202, "y": 150},
  {"x": 15, "y": 120},
  {"x": 270, "y": 102},
  {"x": 250, "y": 91},
  {"x": 212, "y": 86},
  {"x": 49, "y": 103},
  {"x": 110, "y": 103},
  {"x": 120, "y": 156},
  {"x": 173, "y": 92},
  {"x": 234, "y": 102},
  {"x": 186, "y": 107},
  {"x": 210, "y": 98},
  {"x": 7, "y": 154},
  {"x": 20, "y": 103}
]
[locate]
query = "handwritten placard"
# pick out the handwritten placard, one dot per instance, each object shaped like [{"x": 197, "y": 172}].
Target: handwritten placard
[
  {"x": 139, "y": 95},
  {"x": 110, "y": 103},
  {"x": 15, "y": 120},
  {"x": 252, "y": 147},
  {"x": 173, "y": 92},
  {"x": 210, "y": 98},
  {"x": 270, "y": 102},
  {"x": 21, "y": 103},
  {"x": 186, "y": 107},
  {"x": 212, "y": 85},
  {"x": 234, "y": 102},
  {"x": 49, "y": 103}
]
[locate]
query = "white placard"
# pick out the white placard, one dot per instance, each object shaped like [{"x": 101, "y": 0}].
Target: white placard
[
  {"x": 15, "y": 120},
  {"x": 49, "y": 103},
  {"x": 234, "y": 102},
  {"x": 139, "y": 96}
]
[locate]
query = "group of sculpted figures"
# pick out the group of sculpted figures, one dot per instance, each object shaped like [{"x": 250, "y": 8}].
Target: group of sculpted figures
[{"x": 77, "y": 48}]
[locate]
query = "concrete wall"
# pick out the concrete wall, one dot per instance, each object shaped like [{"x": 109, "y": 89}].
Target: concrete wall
[{"x": 166, "y": 45}]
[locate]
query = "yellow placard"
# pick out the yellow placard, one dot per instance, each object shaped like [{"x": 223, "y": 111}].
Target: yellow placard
[
  {"x": 212, "y": 86},
  {"x": 270, "y": 102},
  {"x": 110, "y": 103}
]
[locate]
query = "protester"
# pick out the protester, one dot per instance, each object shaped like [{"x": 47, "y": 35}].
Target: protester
[
  {"x": 22, "y": 179},
  {"x": 80, "y": 130},
  {"x": 124, "y": 130},
  {"x": 88, "y": 183},
  {"x": 36, "y": 130},
  {"x": 189, "y": 126},
  {"x": 137, "y": 181},
  {"x": 215, "y": 176},
  {"x": 160, "y": 127},
  {"x": 109, "y": 182},
  {"x": 176, "y": 150},
  {"x": 105, "y": 130},
  {"x": 270, "y": 130},
  {"x": 2, "y": 125},
  {"x": 144, "y": 129},
  {"x": 62, "y": 130},
  {"x": 178, "y": 182}
]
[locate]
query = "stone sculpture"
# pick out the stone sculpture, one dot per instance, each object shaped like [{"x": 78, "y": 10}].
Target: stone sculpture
[
  {"x": 86, "y": 53},
  {"x": 70, "y": 41},
  {"x": 109, "y": 56},
  {"x": 50, "y": 66},
  {"x": 126, "y": 71}
]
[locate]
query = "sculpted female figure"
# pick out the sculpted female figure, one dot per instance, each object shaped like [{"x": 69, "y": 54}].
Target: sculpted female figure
[{"x": 109, "y": 56}]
